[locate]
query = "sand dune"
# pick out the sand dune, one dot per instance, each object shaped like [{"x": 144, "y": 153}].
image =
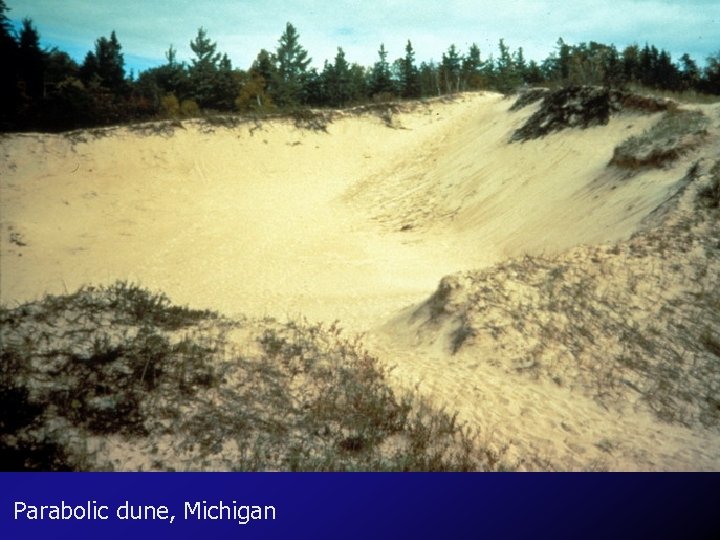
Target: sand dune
[{"x": 357, "y": 223}]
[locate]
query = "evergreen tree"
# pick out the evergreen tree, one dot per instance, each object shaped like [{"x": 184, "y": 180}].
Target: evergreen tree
[
  {"x": 358, "y": 82},
  {"x": 533, "y": 73},
  {"x": 381, "y": 82},
  {"x": 408, "y": 76},
  {"x": 711, "y": 79},
  {"x": 31, "y": 61},
  {"x": 631, "y": 63},
  {"x": 563, "y": 59},
  {"x": 172, "y": 77},
  {"x": 8, "y": 68},
  {"x": 666, "y": 74},
  {"x": 226, "y": 85},
  {"x": 203, "y": 69},
  {"x": 519, "y": 65},
  {"x": 337, "y": 84},
  {"x": 105, "y": 67},
  {"x": 292, "y": 63},
  {"x": 471, "y": 67},
  {"x": 506, "y": 76},
  {"x": 689, "y": 72},
  {"x": 450, "y": 66},
  {"x": 429, "y": 77}
]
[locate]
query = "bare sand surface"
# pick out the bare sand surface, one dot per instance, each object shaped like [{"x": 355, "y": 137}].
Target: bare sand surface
[{"x": 355, "y": 224}]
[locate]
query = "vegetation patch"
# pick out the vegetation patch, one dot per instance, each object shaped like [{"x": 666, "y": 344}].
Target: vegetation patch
[
  {"x": 311, "y": 120},
  {"x": 528, "y": 97},
  {"x": 709, "y": 196},
  {"x": 118, "y": 378},
  {"x": 582, "y": 107},
  {"x": 674, "y": 135},
  {"x": 633, "y": 323}
]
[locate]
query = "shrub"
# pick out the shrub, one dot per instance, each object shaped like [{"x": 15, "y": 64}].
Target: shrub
[
  {"x": 169, "y": 105},
  {"x": 189, "y": 108},
  {"x": 675, "y": 134},
  {"x": 710, "y": 194}
]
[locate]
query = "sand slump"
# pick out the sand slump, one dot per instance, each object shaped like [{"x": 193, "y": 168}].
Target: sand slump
[{"x": 356, "y": 222}]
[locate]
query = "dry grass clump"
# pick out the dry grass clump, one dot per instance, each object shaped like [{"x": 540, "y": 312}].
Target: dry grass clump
[
  {"x": 674, "y": 135},
  {"x": 119, "y": 378}
]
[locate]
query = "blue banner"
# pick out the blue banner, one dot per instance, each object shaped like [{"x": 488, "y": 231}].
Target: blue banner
[{"x": 373, "y": 505}]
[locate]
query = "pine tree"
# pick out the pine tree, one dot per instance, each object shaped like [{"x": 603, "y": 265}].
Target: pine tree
[
  {"x": 409, "y": 79},
  {"x": 631, "y": 64},
  {"x": 471, "y": 68},
  {"x": 711, "y": 79},
  {"x": 519, "y": 64},
  {"x": 381, "y": 83},
  {"x": 105, "y": 66},
  {"x": 172, "y": 77},
  {"x": 450, "y": 67},
  {"x": 507, "y": 77},
  {"x": 31, "y": 60},
  {"x": 292, "y": 63},
  {"x": 336, "y": 81},
  {"x": 203, "y": 69},
  {"x": 689, "y": 72},
  {"x": 226, "y": 85},
  {"x": 9, "y": 65}
]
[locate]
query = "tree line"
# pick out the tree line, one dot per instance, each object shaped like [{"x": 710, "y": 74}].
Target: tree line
[{"x": 47, "y": 89}]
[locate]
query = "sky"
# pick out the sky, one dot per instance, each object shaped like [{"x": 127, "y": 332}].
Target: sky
[{"x": 146, "y": 28}]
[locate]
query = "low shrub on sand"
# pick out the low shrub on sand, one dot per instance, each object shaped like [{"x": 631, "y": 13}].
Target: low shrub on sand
[
  {"x": 675, "y": 134},
  {"x": 119, "y": 378}
]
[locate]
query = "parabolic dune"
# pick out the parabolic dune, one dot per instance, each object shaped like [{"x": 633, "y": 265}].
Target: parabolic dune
[{"x": 576, "y": 322}]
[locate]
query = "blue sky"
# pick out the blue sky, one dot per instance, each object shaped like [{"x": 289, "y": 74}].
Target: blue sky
[{"x": 146, "y": 28}]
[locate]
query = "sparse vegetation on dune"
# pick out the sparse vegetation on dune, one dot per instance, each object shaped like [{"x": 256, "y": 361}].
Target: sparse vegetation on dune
[
  {"x": 678, "y": 132},
  {"x": 118, "y": 378},
  {"x": 710, "y": 194},
  {"x": 580, "y": 106},
  {"x": 637, "y": 322}
]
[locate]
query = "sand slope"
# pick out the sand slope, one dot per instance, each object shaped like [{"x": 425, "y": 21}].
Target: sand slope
[{"x": 355, "y": 223}]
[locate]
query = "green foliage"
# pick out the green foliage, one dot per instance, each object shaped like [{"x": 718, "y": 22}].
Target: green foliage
[
  {"x": 340, "y": 82},
  {"x": 212, "y": 83},
  {"x": 380, "y": 77},
  {"x": 253, "y": 95},
  {"x": 43, "y": 89},
  {"x": 170, "y": 106},
  {"x": 451, "y": 70},
  {"x": 408, "y": 76},
  {"x": 292, "y": 62},
  {"x": 189, "y": 108},
  {"x": 105, "y": 67},
  {"x": 32, "y": 60}
]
